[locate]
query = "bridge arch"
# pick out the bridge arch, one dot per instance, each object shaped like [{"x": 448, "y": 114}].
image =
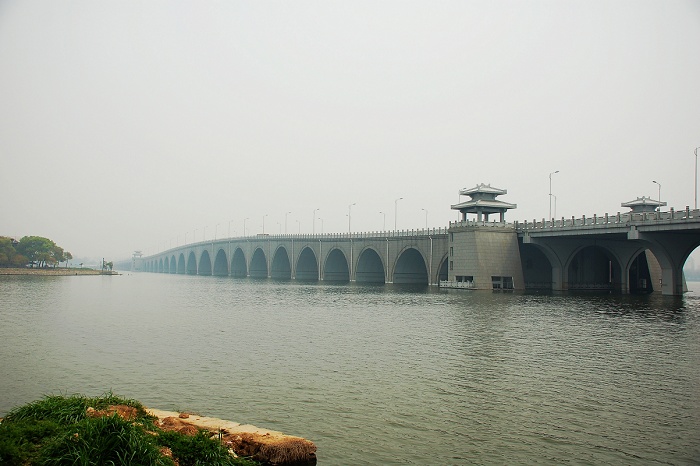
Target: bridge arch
[
  {"x": 370, "y": 268},
  {"x": 173, "y": 264},
  {"x": 204, "y": 264},
  {"x": 160, "y": 265},
  {"x": 336, "y": 268},
  {"x": 191, "y": 264},
  {"x": 181, "y": 263},
  {"x": 410, "y": 267},
  {"x": 443, "y": 270},
  {"x": 307, "y": 265},
  {"x": 643, "y": 272},
  {"x": 593, "y": 267},
  {"x": 258, "y": 264},
  {"x": 220, "y": 264},
  {"x": 538, "y": 268},
  {"x": 239, "y": 269},
  {"x": 281, "y": 268},
  {"x": 672, "y": 250},
  {"x": 166, "y": 265}
]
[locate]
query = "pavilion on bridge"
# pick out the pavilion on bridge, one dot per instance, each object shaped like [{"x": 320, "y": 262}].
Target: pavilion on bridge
[{"x": 483, "y": 202}]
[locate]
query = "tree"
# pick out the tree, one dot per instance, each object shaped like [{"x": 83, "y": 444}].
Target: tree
[
  {"x": 40, "y": 250},
  {"x": 9, "y": 257}
]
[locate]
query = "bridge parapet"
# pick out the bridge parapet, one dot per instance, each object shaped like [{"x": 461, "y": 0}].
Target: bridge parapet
[{"x": 645, "y": 218}]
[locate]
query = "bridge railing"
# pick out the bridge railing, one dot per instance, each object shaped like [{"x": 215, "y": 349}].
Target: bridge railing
[
  {"x": 606, "y": 219},
  {"x": 418, "y": 232},
  {"x": 481, "y": 223}
]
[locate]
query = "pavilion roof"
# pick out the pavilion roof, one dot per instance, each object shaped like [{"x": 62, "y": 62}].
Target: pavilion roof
[
  {"x": 485, "y": 205},
  {"x": 482, "y": 188},
  {"x": 643, "y": 201}
]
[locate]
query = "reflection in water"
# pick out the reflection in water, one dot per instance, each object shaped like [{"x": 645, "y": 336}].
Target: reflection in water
[{"x": 374, "y": 374}]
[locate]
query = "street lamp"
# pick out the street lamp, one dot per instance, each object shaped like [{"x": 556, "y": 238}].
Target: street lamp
[
  {"x": 264, "y": 223},
  {"x": 313, "y": 228},
  {"x": 659, "y": 185},
  {"x": 426, "y": 218},
  {"x": 550, "y": 193},
  {"x": 696, "y": 178},
  {"x": 216, "y": 230},
  {"x": 396, "y": 203},
  {"x": 349, "y": 209},
  {"x": 285, "y": 222},
  {"x": 384, "y": 223},
  {"x": 244, "y": 230}
]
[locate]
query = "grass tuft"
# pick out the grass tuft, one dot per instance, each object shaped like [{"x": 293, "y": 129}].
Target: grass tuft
[{"x": 60, "y": 430}]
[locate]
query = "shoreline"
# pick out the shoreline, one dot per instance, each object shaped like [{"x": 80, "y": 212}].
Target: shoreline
[{"x": 53, "y": 272}]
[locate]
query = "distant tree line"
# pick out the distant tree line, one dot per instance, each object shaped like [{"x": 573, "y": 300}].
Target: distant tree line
[{"x": 34, "y": 251}]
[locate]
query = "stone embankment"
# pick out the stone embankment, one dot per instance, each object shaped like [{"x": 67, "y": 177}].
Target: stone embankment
[
  {"x": 263, "y": 445},
  {"x": 58, "y": 271}
]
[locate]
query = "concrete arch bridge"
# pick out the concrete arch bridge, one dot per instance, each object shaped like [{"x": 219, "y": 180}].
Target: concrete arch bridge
[
  {"x": 626, "y": 253},
  {"x": 418, "y": 256}
]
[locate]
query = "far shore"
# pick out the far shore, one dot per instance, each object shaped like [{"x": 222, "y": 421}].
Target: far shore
[{"x": 58, "y": 271}]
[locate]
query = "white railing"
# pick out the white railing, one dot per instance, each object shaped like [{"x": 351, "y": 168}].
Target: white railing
[{"x": 606, "y": 219}]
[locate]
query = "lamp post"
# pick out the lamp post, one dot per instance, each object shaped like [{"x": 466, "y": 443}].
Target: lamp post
[
  {"x": 298, "y": 227},
  {"x": 244, "y": 230},
  {"x": 321, "y": 224},
  {"x": 696, "y": 178},
  {"x": 313, "y": 227},
  {"x": 349, "y": 212},
  {"x": 216, "y": 230},
  {"x": 555, "y": 205},
  {"x": 384, "y": 222},
  {"x": 264, "y": 223},
  {"x": 550, "y": 193},
  {"x": 396, "y": 205},
  {"x": 426, "y": 218},
  {"x": 285, "y": 222},
  {"x": 659, "y": 185}
]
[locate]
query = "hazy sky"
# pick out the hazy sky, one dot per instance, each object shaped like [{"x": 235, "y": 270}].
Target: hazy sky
[{"x": 126, "y": 124}]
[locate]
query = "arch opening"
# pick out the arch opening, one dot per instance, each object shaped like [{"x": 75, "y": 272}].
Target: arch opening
[
  {"x": 281, "y": 268},
  {"x": 191, "y": 264},
  {"x": 369, "y": 267},
  {"x": 410, "y": 268},
  {"x": 204, "y": 264},
  {"x": 181, "y": 263},
  {"x": 593, "y": 268},
  {"x": 258, "y": 264},
  {"x": 443, "y": 271},
  {"x": 220, "y": 264},
  {"x": 336, "y": 268},
  {"x": 239, "y": 269},
  {"x": 537, "y": 269},
  {"x": 173, "y": 264},
  {"x": 160, "y": 266},
  {"x": 307, "y": 266}
]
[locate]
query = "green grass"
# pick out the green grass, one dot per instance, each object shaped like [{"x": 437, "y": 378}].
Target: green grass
[{"x": 57, "y": 431}]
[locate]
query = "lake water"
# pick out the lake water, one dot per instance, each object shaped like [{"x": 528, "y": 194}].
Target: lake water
[{"x": 373, "y": 374}]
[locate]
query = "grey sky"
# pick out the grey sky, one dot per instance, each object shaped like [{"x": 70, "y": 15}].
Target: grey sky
[{"x": 124, "y": 125}]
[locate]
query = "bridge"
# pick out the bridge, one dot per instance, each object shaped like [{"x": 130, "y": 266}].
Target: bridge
[{"x": 634, "y": 252}]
